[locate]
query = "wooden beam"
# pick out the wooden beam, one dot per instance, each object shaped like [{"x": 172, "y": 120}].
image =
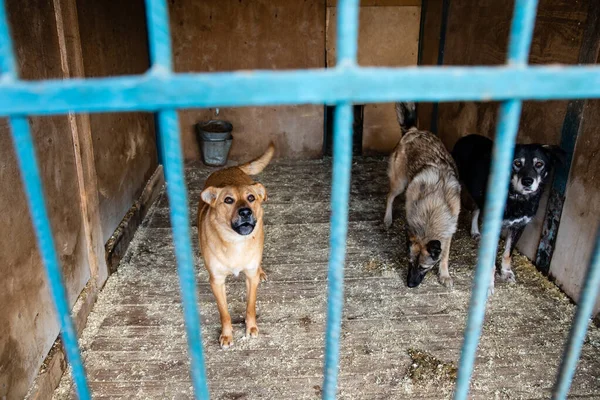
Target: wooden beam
[
  {"x": 572, "y": 124},
  {"x": 440, "y": 60},
  {"x": 72, "y": 67},
  {"x": 120, "y": 239},
  {"x": 381, "y": 3}
]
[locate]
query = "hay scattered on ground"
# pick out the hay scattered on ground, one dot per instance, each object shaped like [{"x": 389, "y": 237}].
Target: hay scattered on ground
[{"x": 425, "y": 368}]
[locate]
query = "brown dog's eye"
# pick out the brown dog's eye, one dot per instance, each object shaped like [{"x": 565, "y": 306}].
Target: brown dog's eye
[
  {"x": 228, "y": 200},
  {"x": 251, "y": 198},
  {"x": 539, "y": 164},
  {"x": 518, "y": 164}
]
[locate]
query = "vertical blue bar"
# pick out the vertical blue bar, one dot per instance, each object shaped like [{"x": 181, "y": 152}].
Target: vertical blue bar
[
  {"x": 159, "y": 37},
  {"x": 170, "y": 142},
  {"x": 176, "y": 190},
  {"x": 587, "y": 299},
  {"x": 347, "y": 43},
  {"x": 32, "y": 183},
  {"x": 508, "y": 125}
]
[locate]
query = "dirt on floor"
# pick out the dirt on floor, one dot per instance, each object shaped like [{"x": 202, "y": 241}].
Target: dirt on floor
[{"x": 396, "y": 342}]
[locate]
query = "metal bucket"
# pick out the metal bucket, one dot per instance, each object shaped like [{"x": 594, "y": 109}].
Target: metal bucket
[{"x": 215, "y": 141}]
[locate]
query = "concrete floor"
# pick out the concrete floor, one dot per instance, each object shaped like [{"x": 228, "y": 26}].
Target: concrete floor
[{"x": 396, "y": 342}]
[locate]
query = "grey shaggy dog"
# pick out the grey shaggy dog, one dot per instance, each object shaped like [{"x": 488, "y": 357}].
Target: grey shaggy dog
[{"x": 421, "y": 165}]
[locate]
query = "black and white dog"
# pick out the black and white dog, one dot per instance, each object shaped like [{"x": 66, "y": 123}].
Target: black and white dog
[{"x": 531, "y": 166}]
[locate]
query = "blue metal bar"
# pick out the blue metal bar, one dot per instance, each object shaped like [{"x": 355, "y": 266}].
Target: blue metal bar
[
  {"x": 152, "y": 92},
  {"x": 32, "y": 182},
  {"x": 170, "y": 145},
  {"x": 178, "y": 204},
  {"x": 506, "y": 134},
  {"x": 340, "y": 192},
  {"x": 157, "y": 15},
  {"x": 587, "y": 299},
  {"x": 347, "y": 32},
  {"x": 347, "y": 45},
  {"x": 8, "y": 66}
]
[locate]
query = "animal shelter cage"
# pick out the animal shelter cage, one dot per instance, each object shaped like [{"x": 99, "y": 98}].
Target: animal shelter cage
[{"x": 163, "y": 91}]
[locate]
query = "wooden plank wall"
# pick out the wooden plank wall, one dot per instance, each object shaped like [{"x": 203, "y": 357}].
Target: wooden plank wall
[
  {"x": 470, "y": 41},
  {"x": 28, "y": 326},
  {"x": 226, "y": 35},
  {"x": 581, "y": 211},
  {"x": 93, "y": 169},
  {"x": 126, "y": 153},
  {"x": 388, "y": 37}
]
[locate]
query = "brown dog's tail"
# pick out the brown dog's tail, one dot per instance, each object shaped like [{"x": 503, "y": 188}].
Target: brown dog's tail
[
  {"x": 407, "y": 116},
  {"x": 256, "y": 166}
]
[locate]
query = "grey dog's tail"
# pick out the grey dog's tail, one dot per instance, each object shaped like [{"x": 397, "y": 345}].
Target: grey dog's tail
[{"x": 407, "y": 115}]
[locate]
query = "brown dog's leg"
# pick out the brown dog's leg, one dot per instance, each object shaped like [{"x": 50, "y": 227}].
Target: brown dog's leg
[
  {"x": 251, "y": 289},
  {"x": 444, "y": 274},
  {"x": 226, "y": 338},
  {"x": 396, "y": 188},
  {"x": 398, "y": 181},
  {"x": 506, "y": 273}
]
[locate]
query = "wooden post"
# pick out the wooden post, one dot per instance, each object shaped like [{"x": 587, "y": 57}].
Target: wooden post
[
  {"x": 72, "y": 64},
  {"x": 588, "y": 54}
]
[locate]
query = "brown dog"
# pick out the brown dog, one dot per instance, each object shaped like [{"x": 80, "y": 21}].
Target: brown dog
[
  {"x": 230, "y": 230},
  {"x": 422, "y": 165}
]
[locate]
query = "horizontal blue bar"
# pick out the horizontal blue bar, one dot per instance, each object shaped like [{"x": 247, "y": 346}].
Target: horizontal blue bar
[{"x": 154, "y": 91}]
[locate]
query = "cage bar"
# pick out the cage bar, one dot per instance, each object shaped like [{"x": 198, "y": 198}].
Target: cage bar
[
  {"x": 497, "y": 192},
  {"x": 168, "y": 125},
  {"x": 347, "y": 45},
  {"x": 155, "y": 91},
  {"x": 163, "y": 91}
]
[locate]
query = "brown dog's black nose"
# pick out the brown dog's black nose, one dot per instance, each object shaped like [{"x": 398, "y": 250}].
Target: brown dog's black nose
[
  {"x": 527, "y": 181},
  {"x": 245, "y": 212}
]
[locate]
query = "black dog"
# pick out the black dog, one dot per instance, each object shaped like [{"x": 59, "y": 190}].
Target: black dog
[{"x": 530, "y": 169}]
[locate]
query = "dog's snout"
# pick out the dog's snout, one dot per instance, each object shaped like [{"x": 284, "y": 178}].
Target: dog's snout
[
  {"x": 527, "y": 181},
  {"x": 244, "y": 212}
]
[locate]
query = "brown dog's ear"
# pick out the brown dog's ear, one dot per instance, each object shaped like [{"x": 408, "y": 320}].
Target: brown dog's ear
[
  {"x": 210, "y": 195},
  {"x": 261, "y": 191},
  {"x": 434, "y": 248}
]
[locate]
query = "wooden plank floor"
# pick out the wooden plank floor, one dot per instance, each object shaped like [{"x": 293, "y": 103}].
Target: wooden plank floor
[{"x": 396, "y": 342}]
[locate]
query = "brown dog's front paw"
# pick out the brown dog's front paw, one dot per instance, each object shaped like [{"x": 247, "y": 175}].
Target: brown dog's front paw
[
  {"x": 263, "y": 276},
  {"x": 446, "y": 280},
  {"x": 252, "y": 331},
  {"x": 508, "y": 276},
  {"x": 226, "y": 341},
  {"x": 387, "y": 220}
]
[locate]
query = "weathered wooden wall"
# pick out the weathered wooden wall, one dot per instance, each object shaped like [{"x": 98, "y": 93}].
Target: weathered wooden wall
[
  {"x": 93, "y": 170},
  {"x": 388, "y": 37},
  {"x": 470, "y": 41},
  {"x": 225, "y": 35},
  {"x": 581, "y": 212},
  {"x": 114, "y": 42},
  {"x": 28, "y": 326}
]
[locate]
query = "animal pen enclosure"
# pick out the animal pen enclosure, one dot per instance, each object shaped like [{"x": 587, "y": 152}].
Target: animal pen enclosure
[{"x": 103, "y": 184}]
